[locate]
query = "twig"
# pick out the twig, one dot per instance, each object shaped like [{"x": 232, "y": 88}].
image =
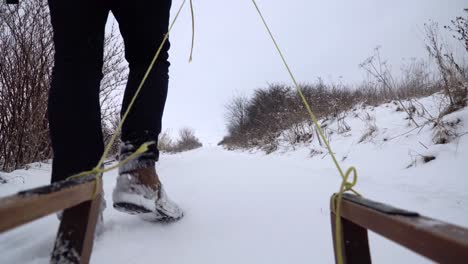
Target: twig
[
  {"x": 423, "y": 145},
  {"x": 403, "y": 134},
  {"x": 422, "y": 127},
  {"x": 326, "y": 154}
]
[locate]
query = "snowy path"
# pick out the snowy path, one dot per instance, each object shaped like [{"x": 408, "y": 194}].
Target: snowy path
[{"x": 257, "y": 208}]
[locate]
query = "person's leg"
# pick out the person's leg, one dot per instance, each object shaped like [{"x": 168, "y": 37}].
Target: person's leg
[
  {"x": 143, "y": 25},
  {"x": 74, "y": 109}
]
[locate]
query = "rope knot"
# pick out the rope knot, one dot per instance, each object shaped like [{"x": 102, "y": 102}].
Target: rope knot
[{"x": 346, "y": 185}]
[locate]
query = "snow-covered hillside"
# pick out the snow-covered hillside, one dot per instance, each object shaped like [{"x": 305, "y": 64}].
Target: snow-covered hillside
[{"x": 245, "y": 207}]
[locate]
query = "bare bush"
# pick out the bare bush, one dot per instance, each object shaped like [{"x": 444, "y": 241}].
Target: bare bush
[
  {"x": 302, "y": 132},
  {"x": 460, "y": 29},
  {"x": 268, "y": 112},
  {"x": 187, "y": 140},
  {"x": 115, "y": 75},
  {"x": 343, "y": 127},
  {"x": 165, "y": 142},
  {"x": 26, "y": 60},
  {"x": 109, "y": 127},
  {"x": 454, "y": 79},
  {"x": 236, "y": 114},
  {"x": 371, "y": 128},
  {"x": 378, "y": 68},
  {"x": 417, "y": 80},
  {"x": 277, "y": 110}
]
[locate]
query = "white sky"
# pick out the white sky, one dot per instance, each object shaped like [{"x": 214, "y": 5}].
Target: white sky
[{"x": 328, "y": 38}]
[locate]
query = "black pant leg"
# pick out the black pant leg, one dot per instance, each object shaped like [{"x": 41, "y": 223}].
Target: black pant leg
[
  {"x": 74, "y": 108},
  {"x": 143, "y": 25}
]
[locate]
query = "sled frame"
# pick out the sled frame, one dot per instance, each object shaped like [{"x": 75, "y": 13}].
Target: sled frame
[
  {"x": 80, "y": 202},
  {"x": 437, "y": 240}
]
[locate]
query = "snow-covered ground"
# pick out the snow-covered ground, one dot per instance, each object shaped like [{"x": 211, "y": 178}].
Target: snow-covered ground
[{"x": 245, "y": 207}]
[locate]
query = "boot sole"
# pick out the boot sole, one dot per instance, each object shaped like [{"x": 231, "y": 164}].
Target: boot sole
[
  {"x": 130, "y": 208},
  {"x": 144, "y": 213},
  {"x": 145, "y": 208}
]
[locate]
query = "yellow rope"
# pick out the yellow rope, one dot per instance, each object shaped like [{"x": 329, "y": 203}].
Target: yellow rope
[
  {"x": 345, "y": 185},
  {"x": 193, "y": 30},
  {"x": 98, "y": 169},
  {"x": 143, "y": 148}
]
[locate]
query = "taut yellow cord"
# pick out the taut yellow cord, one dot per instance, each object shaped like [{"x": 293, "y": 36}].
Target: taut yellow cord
[{"x": 345, "y": 185}]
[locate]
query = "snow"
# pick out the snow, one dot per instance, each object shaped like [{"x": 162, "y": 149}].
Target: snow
[{"x": 249, "y": 207}]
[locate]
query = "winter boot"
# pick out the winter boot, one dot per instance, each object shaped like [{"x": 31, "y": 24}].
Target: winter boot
[{"x": 139, "y": 191}]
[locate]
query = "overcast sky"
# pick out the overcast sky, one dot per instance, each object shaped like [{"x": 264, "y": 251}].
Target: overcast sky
[{"x": 328, "y": 38}]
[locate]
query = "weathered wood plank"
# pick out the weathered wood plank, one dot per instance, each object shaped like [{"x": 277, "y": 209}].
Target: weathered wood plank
[
  {"x": 27, "y": 206},
  {"x": 354, "y": 243},
  {"x": 434, "y": 239},
  {"x": 75, "y": 236}
]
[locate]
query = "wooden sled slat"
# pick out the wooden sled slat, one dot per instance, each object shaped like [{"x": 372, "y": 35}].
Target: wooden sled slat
[
  {"x": 26, "y": 206},
  {"x": 80, "y": 203},
  {"x": 434, "y": 239}
]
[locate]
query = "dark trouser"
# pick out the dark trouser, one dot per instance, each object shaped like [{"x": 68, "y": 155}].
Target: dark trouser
[{"x": 74, "y": 108}]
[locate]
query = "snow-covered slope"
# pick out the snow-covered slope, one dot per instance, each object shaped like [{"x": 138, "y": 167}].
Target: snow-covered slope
[{"x": 254, "y": 208}]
